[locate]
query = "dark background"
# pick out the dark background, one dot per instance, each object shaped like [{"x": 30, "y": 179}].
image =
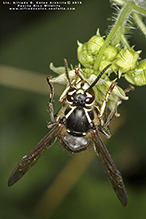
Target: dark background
[{"x": 30, "y": 41}]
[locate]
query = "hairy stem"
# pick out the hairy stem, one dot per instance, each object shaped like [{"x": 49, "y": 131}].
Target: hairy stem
[
  {"x": 118, "y": 30},
  {"x": 139, "y": 22}
]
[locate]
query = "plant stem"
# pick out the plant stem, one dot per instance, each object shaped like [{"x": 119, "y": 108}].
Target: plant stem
[
  {"x": 117, "y": 29},
  {"x": 124, "y": 41},
  {"x": 139, "y": 9},
  {"x": 139, "y": 22},
  {"x": 117, "y": 32}
]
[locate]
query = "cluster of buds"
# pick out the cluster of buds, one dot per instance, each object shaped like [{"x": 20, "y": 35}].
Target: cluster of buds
[{"x": 124, "y": 63}]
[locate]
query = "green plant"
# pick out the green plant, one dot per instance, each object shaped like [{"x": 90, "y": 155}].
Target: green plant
[{"x": 99, "y": 51}]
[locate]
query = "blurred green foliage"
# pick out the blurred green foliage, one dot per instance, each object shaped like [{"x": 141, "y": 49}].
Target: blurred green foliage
[{"x": 30, "y": 41}]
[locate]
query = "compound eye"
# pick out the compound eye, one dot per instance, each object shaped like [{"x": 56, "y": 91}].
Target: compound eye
[
  {"x": 69, "y": 95},
  {"x": 90, "y": 97}
]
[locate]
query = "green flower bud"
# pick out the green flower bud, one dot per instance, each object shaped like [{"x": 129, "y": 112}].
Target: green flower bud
[
  {"x": 127, "y": 59},
  {"x": 84, "y": 57},
  {"x": 138, "y": 75},
  {"x": 110, "y": 52},
  {"x": 95, "y": 44}
]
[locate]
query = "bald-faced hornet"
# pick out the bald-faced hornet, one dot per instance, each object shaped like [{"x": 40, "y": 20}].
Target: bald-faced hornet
[{"x": 77, "y": 125}]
